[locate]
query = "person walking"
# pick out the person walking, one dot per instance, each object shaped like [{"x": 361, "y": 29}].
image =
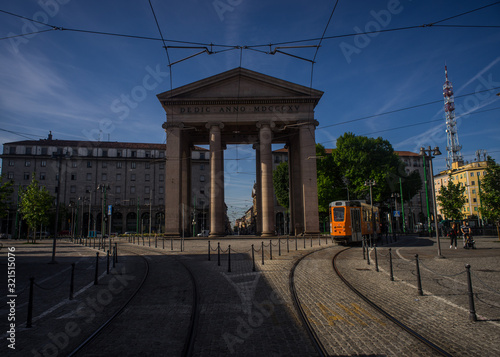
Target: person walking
[{"x": 453, "y": 235}]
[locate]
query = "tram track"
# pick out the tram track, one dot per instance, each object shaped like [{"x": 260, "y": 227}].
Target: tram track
[
  {"x": 303, "y": 310},
  {"x": 141, "y": 290}
]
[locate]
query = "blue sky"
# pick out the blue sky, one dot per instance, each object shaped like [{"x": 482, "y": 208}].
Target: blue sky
[{"x": 73, "y": 82}]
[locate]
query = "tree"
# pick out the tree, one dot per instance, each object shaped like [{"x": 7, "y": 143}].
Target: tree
[
  {"x": 451, "y": 198},
  {"x": 359, "y": 158},
  {"x": 329, "y": 180},
  {"x": 281, "y": 184},
  {"x": 490, "y": 193},
  {"x": 35, "y": 204},
  {"x": 6, "y": 190}
]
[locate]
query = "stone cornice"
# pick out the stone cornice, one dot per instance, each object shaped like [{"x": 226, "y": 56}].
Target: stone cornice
[{"x": 236, "y": 101}]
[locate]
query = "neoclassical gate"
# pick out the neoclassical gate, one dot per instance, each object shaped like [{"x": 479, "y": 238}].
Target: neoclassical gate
[{"x": 241, "y": 107}]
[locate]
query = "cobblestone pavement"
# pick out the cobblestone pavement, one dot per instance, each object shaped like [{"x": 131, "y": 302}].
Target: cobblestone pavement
[{"x": 250, "y": 313}]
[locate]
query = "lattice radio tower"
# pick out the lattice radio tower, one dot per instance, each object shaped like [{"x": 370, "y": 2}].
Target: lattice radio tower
[{"x": 453, "y": 147}]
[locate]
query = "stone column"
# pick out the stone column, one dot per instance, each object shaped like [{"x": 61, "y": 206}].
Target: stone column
[
  {"x": 173, "y": 179},
  {"x": 216, "y": 181},
  {"x": 296, "y": 197},
  {"x": 266, "y": 166},
  {"x": 185, "y": 185},
  {"x": 308, "y": 177},
  {"x": 258, "y": 190}
]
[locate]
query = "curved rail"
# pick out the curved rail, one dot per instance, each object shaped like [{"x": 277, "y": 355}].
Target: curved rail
[
  {"x": 190, "y": 338},
  {"x": 385, "y": 313},
  {"x": 303, "y": 317}
]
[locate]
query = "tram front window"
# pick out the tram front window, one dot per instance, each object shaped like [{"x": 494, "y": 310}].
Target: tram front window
[{"x": 338, "y": 214}]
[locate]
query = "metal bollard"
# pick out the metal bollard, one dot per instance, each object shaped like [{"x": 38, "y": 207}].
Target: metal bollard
[
  {"x": 279, "y": 247},
  {"x": 270, "y": 249},
  {"x": 376, "y": 258},
  {"x": 262, "y": 248},
  {"x": 296, "y": 242},
  {"x": 319, "y": 240},
  {"x": 304, "y": 242},
  {"x": 149, "y": 241},
  {"x": 163, "y": 243},
  {"x": 171, "y": 243},
  {"x": 208, "y": 250},
  {"x": 311, "y": 241},
  {"x": 96, "y": 278},
  {"x": 253, "y": 259},
  {"x": 156, "y": 241},
  {"x": 218, "y": 253},
  {"x": 107, "y": 262},
  {"x": 367, "y": 255},
  {"x": 472, "y": 309},
  {"x": 287, "y": 245},
  {"x": 390, "y": 264},
  {"x": 72, "y": 281},
  {"x": 229, "y": 258},
  {"x": 114, "y": 257},
  {"x": 419, "y": 281},
  {"x": 363, "y": 246},
  {"x": 30, "y": 303},
  {"x": 116, "y": 253}
]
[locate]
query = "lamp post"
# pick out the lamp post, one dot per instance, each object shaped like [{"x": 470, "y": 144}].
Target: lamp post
[
  {"x": 59, "y": 156},
  {"x": 428, "y": 154},
  {"x": 371, "y": 183},
  {"x": 102, "y": 187},
  {"x": 396, "y": 196}
]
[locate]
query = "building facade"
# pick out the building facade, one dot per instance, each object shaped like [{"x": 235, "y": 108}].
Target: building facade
[{"x": 129, "y": 177}]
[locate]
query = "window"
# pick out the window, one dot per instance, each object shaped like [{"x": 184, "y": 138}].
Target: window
[
  {"x": 28, "y": 151},
  {"x": 162, "y": 153},
  {"x": 118, "y": 177},
  {"x": 132, "y": 189},
  {"x": 473, "y": 191},
  {"x": 473, "y": 183},
  {"x": 73, "y": 177},
  {"x": 202, "y": 167},
  {"x": 132, "y": 202},
  {"x": 104, "y": 176},
  {"x": 10, "y": 175},
  {"x": 133, "y": 153},
  {"x": 119, "y": 165},
  {"x": 118, "y": 189},
  {"x": 73, "y": 189},
  {"x": 148, "y": 153},
  {"x": 43, "y": 163},
  {"x": 44, "y": 151},
  {"x": 147, "y": 165},
  {"x": 27, "y": 163},
  {"x": 104, "y": 153},
  {"x": 118, "y": 153},
  {"x": 132, "y": 177},
  {"x": 474, "y": 200},
  {"x": 74, "y": 164},
  {"x": 202, "y": 156},
  {"x": 160, "y": 178},
  {"x": 132, "y": 165},
  {"x": 475, "y": 208},
  {"x": 160, "y": 200},
  {"x": 89, "y": 164},
  {"x": 147, "y": 177},
  {"x": 146, "y": 189},
  {"x": 202, "y": 178},
  {"x": 104, "y": 164},
  {"x": 11, "y": 162},
  {"x": 472, "y": 174},
  {"x": 160, "y": 190},
  {"x": 12, "y": 150},
  {"x": 277, "y": 159},
  {"x": 26, "y": 175},
  {"x": 338, "y": 214},
  {"x": 162, "y": 166},
  {"x": 478, "y": 174},
  {"x": 202, "y": 190},
  {"x": 89, "y": 177}
]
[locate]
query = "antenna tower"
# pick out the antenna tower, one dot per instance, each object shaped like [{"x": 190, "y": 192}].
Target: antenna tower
[{"x": 453, "y": 147}]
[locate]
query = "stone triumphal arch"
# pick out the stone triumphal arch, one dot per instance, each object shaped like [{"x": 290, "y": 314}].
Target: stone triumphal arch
[{"x": 241, "y": 107}]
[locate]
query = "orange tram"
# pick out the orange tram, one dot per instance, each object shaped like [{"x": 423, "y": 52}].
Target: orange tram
[{"x": 350, "y": 221}]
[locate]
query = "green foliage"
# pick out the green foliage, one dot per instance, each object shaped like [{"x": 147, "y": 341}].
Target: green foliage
[
  {"x": 6, "y": 190},
  {"x": 35, "y": 204},
  {"x": 490, "y": 192},
  {"x": 330, "y": 185},
  {"x": 359, "y": 158},
  {"x": 451, "y": 198},
  {"x": 281, "y": 184}
]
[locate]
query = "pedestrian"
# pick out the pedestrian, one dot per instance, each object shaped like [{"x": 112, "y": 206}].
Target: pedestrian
[{"x": 453, "y": 233}]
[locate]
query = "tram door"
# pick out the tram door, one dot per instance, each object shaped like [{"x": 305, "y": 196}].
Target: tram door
[{"x": 356, "y": 224}]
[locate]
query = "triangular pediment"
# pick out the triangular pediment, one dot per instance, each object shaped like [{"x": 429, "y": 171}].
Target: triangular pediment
[{"x": 240, "y": 83}]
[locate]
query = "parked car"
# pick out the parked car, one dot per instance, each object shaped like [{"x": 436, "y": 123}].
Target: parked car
[{"x": 203, "y": 233}]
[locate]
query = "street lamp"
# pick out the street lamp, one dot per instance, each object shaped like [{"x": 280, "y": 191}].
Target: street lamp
[
  {"x": 371, "y": 183},
  {"x": 427, "y": 153},
  {"x": 59, "y": 156}
]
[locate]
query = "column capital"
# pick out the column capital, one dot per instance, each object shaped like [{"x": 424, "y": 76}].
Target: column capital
[
  {"x": 261, "y": 124},
  {"x": 170, "y": 126},
  {"x": 210, "y": 125}
]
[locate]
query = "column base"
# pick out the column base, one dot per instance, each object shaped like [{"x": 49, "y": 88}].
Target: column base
[
  {"x": 216, "y": 235},
  {"x": 267, "y": 234}
]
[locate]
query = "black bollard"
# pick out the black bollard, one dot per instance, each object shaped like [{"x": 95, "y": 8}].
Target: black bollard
[
  {"x": 390, "y": 264},
  {"x": 287, "y": 245},
  {"x": 419, "y": 281},
  {"x": 171, "y": 243},
  {"x": 156, "y": 241},
  {"x": 319, "y": 240},
  {"x": 270, "y": 249},
  {"x": 116, "y": 253},
  {"x": 363, "y": 246},
  {"x": 149, "y": 241},
  {"x": 311, "y": 241},
  {"x": 279, "y": 247},
  {"x": 163, "y": 243},
  {"x": 114, "y": 257},
  {"x": 229, "y": 258},
  {"x": 367, "y": 254},
  {"x": 472, "y": 309},
  {"x": 30, "y": 303},
  {"x": 296, "y": 242},
  {"x": 218, "y": 253},
  {"x": 96, "y": 278},
  {"x": 376, "y": 258},
  {"x": 208, "y": 250},
  {"x": 304, "y": 242},
  {"x": 107, "y": 262},
  {"x": 253, "y": 259},
  {"x": 262, "y": 248},
  {"x": 72, "y": 281}
]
